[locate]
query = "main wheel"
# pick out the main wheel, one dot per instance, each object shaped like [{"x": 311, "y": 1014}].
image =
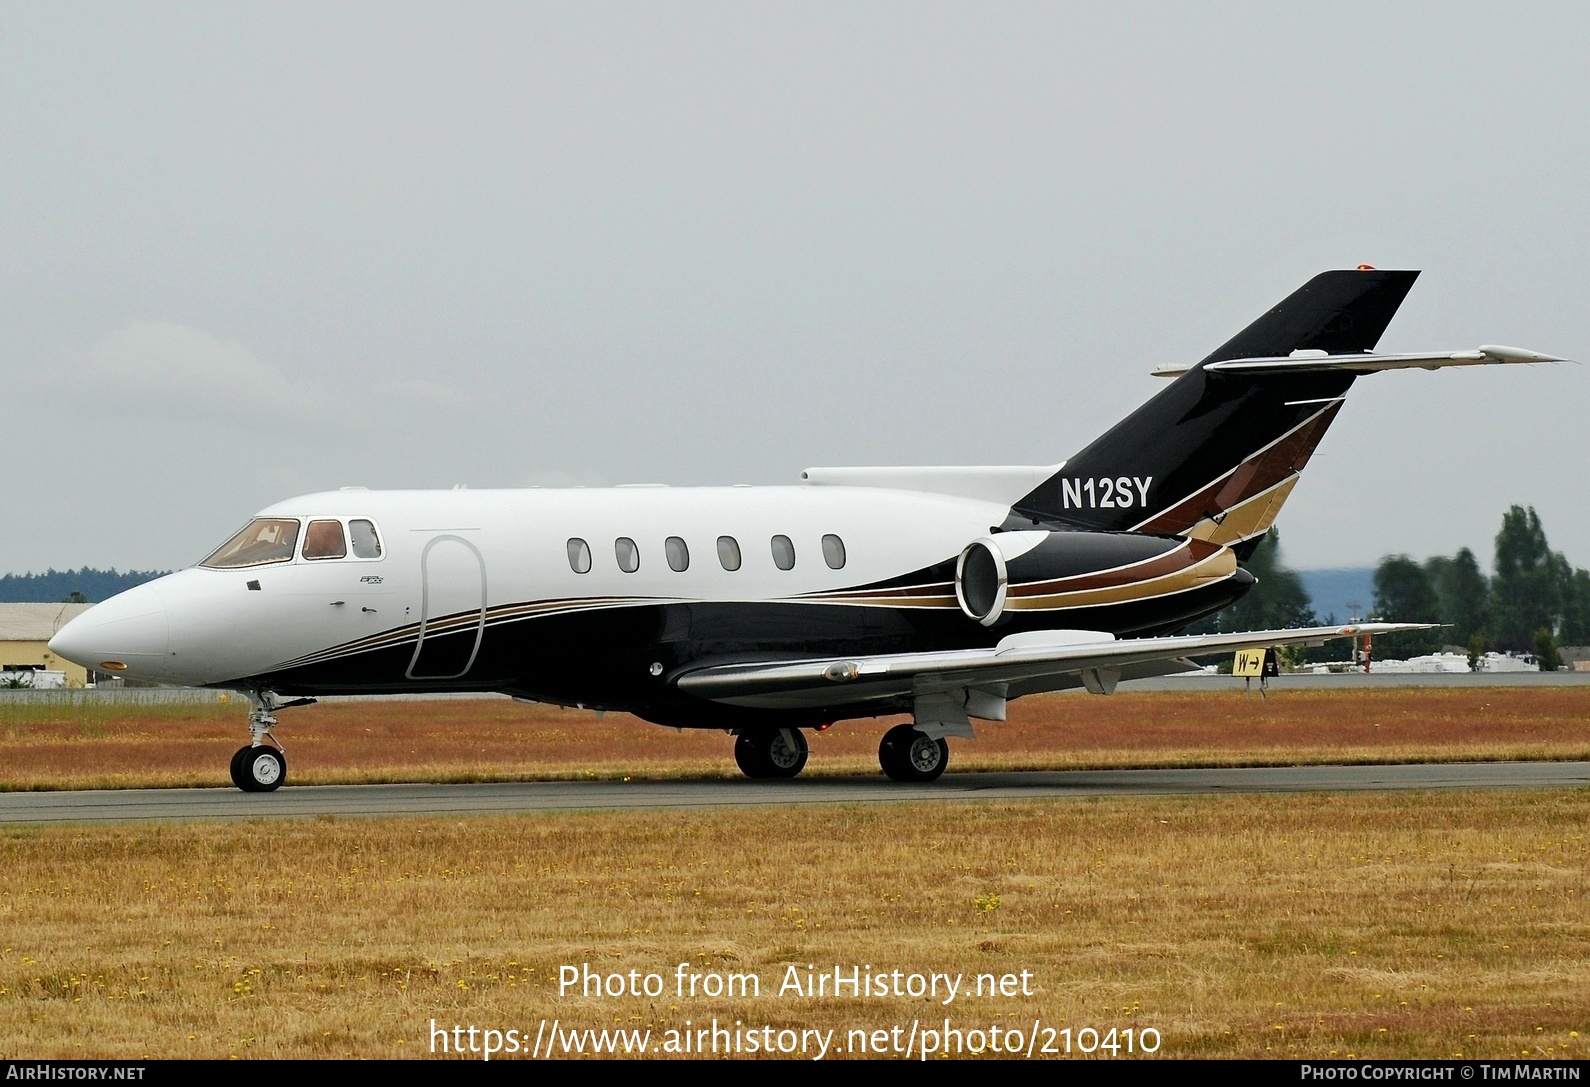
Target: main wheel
[
  {"x": 909, "y": 755},
  {"x": 770, "y": 752},
  {"x": 259, "y": 769}
]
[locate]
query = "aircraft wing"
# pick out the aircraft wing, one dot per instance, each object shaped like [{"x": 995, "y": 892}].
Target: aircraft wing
[{"x": 1020, "y": 663}]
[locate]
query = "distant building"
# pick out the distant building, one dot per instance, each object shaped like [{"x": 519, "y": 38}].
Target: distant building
[{"x": 25, "y": 633}]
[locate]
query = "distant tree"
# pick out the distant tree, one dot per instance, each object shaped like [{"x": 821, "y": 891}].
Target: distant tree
[
  {"x": 74, "y": 597},
  {"x": 1478, "y": 647},
  {"x": 1527, "y": 591},
  {"x": 1404, "y": 594},
  {"x": 1576, "y": 610},
  {"x": 1278, "y": 600},
  {"x": 1545, "y": 647},
  {"x": 54, "y": 585},
  {"x": 1462, "y": 592}
]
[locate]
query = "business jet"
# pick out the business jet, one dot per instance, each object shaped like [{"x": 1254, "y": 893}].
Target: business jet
[{"x": 942, "y": 593}]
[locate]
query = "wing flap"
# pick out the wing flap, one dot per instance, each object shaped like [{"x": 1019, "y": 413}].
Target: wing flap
[{"x": 1026, "y": 660}]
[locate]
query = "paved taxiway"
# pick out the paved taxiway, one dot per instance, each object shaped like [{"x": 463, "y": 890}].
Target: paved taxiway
[{"x": 125, "y": 805}]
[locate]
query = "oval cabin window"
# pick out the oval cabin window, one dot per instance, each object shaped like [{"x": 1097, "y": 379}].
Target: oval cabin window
[
  {"x": 834, "y": 552},
  {"x": 579, "y": 556},
  {"x": 783, "y": 553},
  {"x": 628, "y": 554},
  {"x": 729, "y": 552},
  {"x": 677, "y": 553}
]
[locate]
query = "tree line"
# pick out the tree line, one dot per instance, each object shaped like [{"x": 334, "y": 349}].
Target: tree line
[
  {"x": 85, "y": 586},
  {"x": 1534, "y": 601}
]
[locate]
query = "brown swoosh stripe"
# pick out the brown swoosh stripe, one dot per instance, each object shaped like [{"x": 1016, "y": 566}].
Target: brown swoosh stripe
[
  {"x": 1248, "y": 518},
  {"x": 903, "y": 593},
  {"x": 1184, "y": 556},
  {"x": 936, "y": 600},
  {"x": 502, "y": 613},
  {"x": 1218, "y": 566},
  {"x": 1285, "y": 456}
]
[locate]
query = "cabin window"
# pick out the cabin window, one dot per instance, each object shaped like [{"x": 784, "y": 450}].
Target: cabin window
[
  {"x": 783, "y": 553},
  {"x": 729, "y": 552},
  {"x": 264, "y": 540},
  {"x": 677, "y": 553},
  {"x": 324, "y": 540},
  {"x": 366, "y": 544},
  {"x": 628, "y": 554},
  {"x": 579, "y": 556},
  {"x": 834, "y": 552}
]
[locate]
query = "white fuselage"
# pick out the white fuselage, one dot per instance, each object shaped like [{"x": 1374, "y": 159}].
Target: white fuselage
[{"x": 446, "y": 552}]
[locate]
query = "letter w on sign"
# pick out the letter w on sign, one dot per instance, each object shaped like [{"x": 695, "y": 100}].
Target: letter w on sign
[{"x": 1248, "y": 662}]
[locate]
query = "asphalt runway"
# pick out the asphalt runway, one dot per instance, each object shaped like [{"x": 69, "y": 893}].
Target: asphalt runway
[{"x": 172, "y": 805}]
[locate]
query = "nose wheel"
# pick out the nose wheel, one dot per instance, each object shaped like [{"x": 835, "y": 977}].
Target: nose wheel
[
  {"x": 262, "y": 767},
  {"x": 909, "y": 755},
  {"x": 259, "y": 769}
]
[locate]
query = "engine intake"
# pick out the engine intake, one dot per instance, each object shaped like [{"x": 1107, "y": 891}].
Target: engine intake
[{"x": 980, "y": 581}]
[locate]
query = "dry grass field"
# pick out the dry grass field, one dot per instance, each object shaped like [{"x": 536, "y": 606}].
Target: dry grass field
[
  {"x": 1408, "y": 925},
  {"x": 382, "y": 741}
]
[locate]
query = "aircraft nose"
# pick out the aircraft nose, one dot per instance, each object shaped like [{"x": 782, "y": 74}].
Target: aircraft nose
[{"x": 130, "y": 629}]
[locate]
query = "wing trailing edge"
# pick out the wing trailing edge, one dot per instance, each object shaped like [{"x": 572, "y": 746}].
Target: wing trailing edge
[{"x": 1020, "y": 658}]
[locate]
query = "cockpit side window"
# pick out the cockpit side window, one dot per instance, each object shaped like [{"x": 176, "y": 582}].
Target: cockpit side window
[
  {"x": 324, "y": 540},
  {"x": 366, "y": 542},
  {"x": 264, "y": 540}
]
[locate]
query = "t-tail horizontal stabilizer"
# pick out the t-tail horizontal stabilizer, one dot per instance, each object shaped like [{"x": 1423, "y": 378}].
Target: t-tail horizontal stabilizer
[
  {"x": 1303, "y": 362},
  {"x": 1215, "y": 455}
]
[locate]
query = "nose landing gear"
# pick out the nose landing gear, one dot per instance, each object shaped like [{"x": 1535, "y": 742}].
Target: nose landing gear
[{"x": 261, "y": 767}]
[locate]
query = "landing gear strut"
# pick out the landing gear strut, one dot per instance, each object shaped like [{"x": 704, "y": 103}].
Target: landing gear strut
[
  {"x": 261, "y": 767},
  {"x": 908, "y": 754},
  {"x": 770, "y": 752}
]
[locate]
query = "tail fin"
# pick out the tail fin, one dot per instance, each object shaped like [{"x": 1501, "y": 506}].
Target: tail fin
[{"x": 1216, "y": 454}]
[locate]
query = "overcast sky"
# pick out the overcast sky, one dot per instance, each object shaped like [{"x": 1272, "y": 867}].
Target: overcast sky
[{"x": 250, "y": 251}]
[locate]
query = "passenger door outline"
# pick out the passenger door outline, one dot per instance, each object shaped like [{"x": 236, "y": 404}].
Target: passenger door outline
[{"x": 428, "y": 591}]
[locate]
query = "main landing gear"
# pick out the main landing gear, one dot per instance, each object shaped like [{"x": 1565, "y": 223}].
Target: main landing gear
[
  {"x": 908, "y": 754},
  {"x": 770, "y": 752},
  {"x": 262, "y": 767}
]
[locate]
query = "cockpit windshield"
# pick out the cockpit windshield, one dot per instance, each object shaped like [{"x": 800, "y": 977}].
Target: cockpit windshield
[{"x": 266, "y": 539}]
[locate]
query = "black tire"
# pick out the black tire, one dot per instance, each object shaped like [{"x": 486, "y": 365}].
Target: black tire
[
  {"x": 237, "y": 767},
  {"x": 909, "y": 755},
  {"x": 770, "y": 752},
  {"x": 259, "y": 769}
]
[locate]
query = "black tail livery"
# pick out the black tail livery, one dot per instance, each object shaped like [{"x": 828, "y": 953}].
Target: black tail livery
[{"x": 1216, "y": 454}]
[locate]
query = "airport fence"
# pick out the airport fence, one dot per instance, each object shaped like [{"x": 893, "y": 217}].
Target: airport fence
[{"x": 116, "y": 696}]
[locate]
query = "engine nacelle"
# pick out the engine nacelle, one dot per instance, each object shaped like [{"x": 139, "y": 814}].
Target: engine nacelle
[
  {"x": 981, "y": 581},
  {"x": 1061, "y": 577}
]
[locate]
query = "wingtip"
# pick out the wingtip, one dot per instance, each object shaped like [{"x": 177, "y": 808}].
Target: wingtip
[{"x": 1503, "y": 353}]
